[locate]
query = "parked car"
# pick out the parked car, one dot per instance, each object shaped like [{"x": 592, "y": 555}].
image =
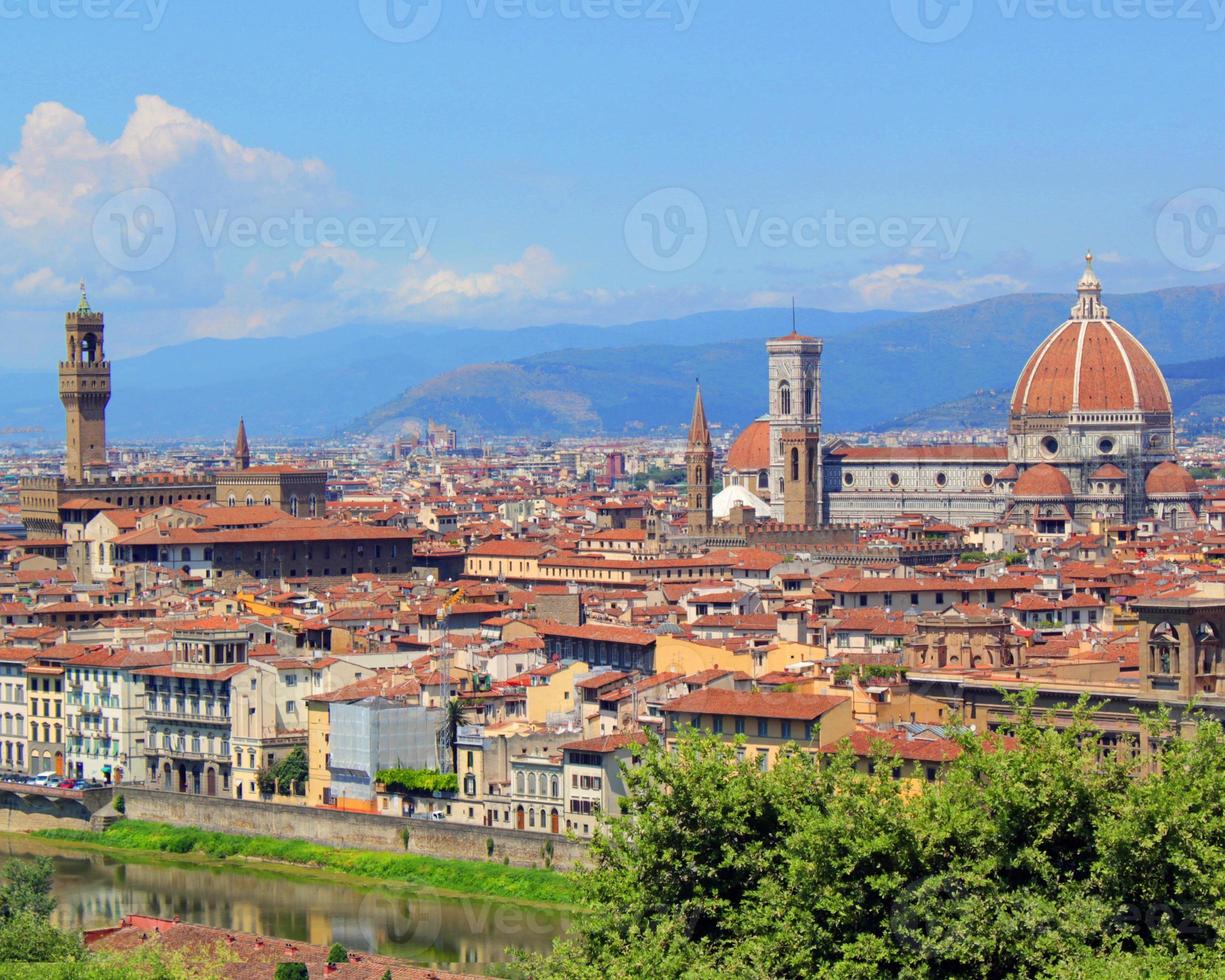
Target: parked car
[
  {"x": 69, "y": 784},
  {"x": 46, "y": 779}
]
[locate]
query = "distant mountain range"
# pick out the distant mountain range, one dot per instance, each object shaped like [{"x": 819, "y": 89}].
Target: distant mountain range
[
  {"x": 944, "y": 369},
  {"x": 884, "y": 374},
  {"x": 313, "y": 386}
]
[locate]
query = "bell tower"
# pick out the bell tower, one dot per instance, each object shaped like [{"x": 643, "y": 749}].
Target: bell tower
[
  {"x": 699, "y": 461},
  {"x": 796, "y": 466},
  {"x": 85, "y": 389}
]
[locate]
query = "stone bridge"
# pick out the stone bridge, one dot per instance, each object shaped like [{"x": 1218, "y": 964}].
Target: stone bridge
[{"x": 24, "y": 807}]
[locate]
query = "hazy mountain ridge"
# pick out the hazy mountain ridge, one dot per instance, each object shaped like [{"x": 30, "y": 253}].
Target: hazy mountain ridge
[
  {"x": 313, "y": 385},
  {"x": 878, "y": 375}
]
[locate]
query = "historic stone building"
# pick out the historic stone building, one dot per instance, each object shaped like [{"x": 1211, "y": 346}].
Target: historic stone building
[
  {"x": 85, "y": 390},
  {"x": 1091, "y": 436},
  {"x": 699, "y": 467}
]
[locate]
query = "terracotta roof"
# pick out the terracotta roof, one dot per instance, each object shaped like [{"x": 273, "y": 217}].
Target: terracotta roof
[
  {"x": 1092, "y": 365},
  {"x": 712, "y": 701},
  {"x": 1042, "y": 480},
  {"x": 751, "y": 450},
  {"x": 607, "y": 743},
  {"x": 957, "y": 453},
  {"x": 1170, "y": 478},
  {"x": 1108, "y": 471},
  {"x": 254, "y": 956}
]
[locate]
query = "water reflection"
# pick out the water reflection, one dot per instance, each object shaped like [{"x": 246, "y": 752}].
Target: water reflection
[{"x": 96, "y": 889}]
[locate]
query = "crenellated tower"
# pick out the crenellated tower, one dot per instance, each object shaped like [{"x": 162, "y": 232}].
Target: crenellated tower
[{"x": 85, "y": 390}]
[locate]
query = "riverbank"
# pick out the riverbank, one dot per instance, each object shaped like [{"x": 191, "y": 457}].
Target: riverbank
[{"x": 442, "y": 875}]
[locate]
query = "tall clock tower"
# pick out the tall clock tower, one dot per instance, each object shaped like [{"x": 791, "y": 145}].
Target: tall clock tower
[{"x": 85, "y": 390}]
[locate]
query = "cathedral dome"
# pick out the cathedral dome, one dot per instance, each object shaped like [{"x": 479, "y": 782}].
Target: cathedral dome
[
  {"x": 751, "y": 450},
  {"x": 1042, "y": 480},
  {"x": 1170, "y": 478},
  {"x": 1090, "y": 364}
]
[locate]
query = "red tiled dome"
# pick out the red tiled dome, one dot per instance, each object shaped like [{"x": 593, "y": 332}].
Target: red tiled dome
[
  {"x": 1108, "y": 471},
  {"x": 1090, "y": 365},
  {"x": 751, "y": 450},
  {"x": 1042, "y": 480},
  {"x": 1170, "y": 478}
]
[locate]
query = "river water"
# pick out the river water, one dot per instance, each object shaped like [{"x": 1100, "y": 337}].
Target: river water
[{"x": 97, "y": 889}]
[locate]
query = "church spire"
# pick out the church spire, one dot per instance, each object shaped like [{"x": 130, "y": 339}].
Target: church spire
[
  {"x": 699, "y": 464},
  {"x": 242, "y": 451},
  {"x": 699, "y": 431},
  {"x": 83, "y": 306}
]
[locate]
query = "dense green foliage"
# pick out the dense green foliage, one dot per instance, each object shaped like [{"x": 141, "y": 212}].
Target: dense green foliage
[
  {"x": 418, "y": 781},
  {"x": 292, "y": 971},
  {"x": 287, "y": 776},
  {"x": 1007, "y": 557},
  {"x": 26, "y": 932},
  {"x": 338, "y": 954},
  {"x": 1039, "y": 860},
  {"x": 467, "y": 877}
]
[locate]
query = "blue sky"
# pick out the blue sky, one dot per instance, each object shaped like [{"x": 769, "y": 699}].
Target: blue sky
[{"x": 593, "y": 160}]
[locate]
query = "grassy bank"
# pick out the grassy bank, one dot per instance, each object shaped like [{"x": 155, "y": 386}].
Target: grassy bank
[{"x": 442, "y": 874}]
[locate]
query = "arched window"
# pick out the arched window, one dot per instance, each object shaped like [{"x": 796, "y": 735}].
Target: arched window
[
  {"x": 763, "y": 480},
  {"x": 267, "y": 500},
  {"x": 531, "y": 784},
  {"x": 795, "y": 465},
  {"x": 312, "y": 505},
  {"x": 232, "y": 501},
  {"x": 810, "y": 393},
  {"x": 250, "y": 500},
  {"x": 293, "y": 506},
  {"x": 519, "y": 783},
  {"x": 784, "y": 398},
  {"x": 553, "y": 789},
  {"x": 89, "y": 348}
]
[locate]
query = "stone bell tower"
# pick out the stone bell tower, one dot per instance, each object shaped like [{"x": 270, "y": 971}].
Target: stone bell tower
[
  {"x": 699, "y": 462},
  {"x": 85, "y": 389}
]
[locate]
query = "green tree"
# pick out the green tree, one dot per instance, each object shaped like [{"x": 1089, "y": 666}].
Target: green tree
[
  {"x": 292, "y": 971},
  {"x": 26, "y": 888},
  {"x": 338, "y": 954},
  {"x": 1036, "y": 855}
]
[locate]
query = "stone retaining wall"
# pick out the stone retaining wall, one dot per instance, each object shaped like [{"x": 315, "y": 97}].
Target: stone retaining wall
[{"x": 336, "y": 829}]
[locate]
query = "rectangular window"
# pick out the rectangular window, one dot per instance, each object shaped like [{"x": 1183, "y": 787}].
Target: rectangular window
[
  {"x": 763, "y": 728},
  {"x": 785, "y": 729},
  {"x": 739, "y": 726}
]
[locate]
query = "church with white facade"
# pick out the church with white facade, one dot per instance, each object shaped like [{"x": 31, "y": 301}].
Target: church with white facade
[{"x": 1090, "y": 437}]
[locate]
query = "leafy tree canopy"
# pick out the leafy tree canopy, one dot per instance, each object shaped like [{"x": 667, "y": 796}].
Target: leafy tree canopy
[{"x": 1040, "y": 856}]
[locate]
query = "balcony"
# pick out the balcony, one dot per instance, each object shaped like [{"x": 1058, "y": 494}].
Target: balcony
[
  {"x": 186, "y": 755},
  {"x": 157, "y": 714}
]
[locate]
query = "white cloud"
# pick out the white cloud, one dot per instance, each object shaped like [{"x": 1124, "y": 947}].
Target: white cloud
[{"x": 903, "y": 285}]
